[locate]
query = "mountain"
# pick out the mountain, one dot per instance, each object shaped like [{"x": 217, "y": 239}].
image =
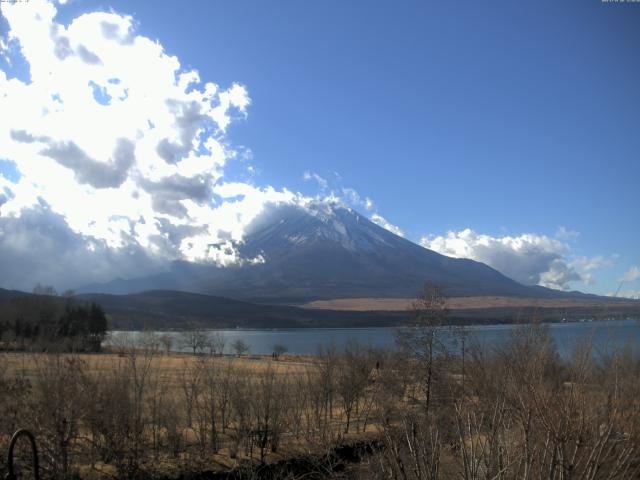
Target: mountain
[
  {"x": 8, "y": 295},
  {"x": 325, "y": 251}
]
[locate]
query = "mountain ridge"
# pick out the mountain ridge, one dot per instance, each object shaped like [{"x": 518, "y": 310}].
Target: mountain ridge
[
  {"x": 162, "y": 309},
  {"x": 321, "y": 252}
]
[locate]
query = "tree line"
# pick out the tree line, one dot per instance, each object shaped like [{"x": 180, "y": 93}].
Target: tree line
[{"x": 45, "y": 321}]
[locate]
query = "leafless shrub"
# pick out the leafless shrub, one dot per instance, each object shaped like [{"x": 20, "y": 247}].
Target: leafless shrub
[
  {"x": 14, "y": 390},
  {"x": 56, "y": 407}
]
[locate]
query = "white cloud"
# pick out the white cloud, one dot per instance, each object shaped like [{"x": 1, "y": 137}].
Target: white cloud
[
  {"x": 380, "y": 220},
  {"x": 529, "y": 258},
  {"x": 354, "y": 198},
  {"x": 322, "y": 182},
  {"x": 585, "y": 266},
  {"x": 564, "y": 233},
  {"x": 39, "y": 246},
  {"x": 4, "y": 51},
  {"x": 119, "y": 144},
  {"x": 632, "y": 275},
  {"x": 332, "y": 191},
  {"x": 349, "y": 197},
  {"x": 235, "y": 97},
  {"x": 368, "y": 203},
  {"x": 633, "y": 294}
]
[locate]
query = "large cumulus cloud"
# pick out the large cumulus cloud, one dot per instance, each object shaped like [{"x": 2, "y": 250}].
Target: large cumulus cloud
[
  {"x": 631, "y": 278},
  {"x": 39, "y": 245},
  {"x": 530, "y": 259},
  {"x": 120, "y": 154}
]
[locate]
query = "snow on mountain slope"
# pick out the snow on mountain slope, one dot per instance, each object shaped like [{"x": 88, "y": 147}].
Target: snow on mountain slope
[{"x": 322, "y": 251}]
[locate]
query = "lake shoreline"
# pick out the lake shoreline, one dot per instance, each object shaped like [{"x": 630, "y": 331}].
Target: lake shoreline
[
  {"x": 308, "y": 341},
  {"x": 452, "y": 322}
]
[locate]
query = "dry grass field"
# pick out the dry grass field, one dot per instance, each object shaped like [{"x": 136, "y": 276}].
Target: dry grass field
[
  {"x": 519, "y": 411},
  {"x": 172, "y": 366},
  {"x": 167, "y": 414}
]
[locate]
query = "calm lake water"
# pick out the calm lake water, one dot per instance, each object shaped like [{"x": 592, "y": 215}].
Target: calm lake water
[{"x": 606, "y": 335}]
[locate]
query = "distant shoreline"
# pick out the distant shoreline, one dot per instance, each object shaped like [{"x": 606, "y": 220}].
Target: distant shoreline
[
  {"x": 453, "y": 322},
  {"x": 464, "y": 303}
]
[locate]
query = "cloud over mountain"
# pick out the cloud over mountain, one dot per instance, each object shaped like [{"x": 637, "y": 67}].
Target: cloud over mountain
[
  {"x": 530, "y": 259},
  {"x": 631, "y": 275},
  {"x": 119, "y": 163},
  {"x": 39, "y": 244},
  {"x": 117, "y": 147}
]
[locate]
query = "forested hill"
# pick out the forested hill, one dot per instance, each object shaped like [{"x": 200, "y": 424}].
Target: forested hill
[
  {"x": 46, "y": 322},
  {"x": 166, "y": 309},
  {"x": 160, "y": 309}
]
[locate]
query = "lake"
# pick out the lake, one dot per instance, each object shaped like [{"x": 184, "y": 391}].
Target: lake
[{"x": 606, "y": 335}]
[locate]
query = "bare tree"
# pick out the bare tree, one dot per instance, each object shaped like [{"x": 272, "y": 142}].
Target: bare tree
[
  {"x": 279, "y": 349},
  {"x": 268, "y": 407},
  {"x": 57, "y": 409},
  {"x": 193, "y": 338},
  {"x": 149, "y": 340},
  {"x": 240, "y": 347},
  {"x": 140, "y": 370},
  {"x": 353, "y": 377},
  {"x": 216, "y": 343},
  {"x": 299, "y": 405},
  {"x": 116, "y": 416},
  {"x": 225, "y": 383},
  {"x": 15, "y": 389},
  {"x": 122, "y": 342},
  {"x": 322, "y": 386},
  {"x": 46, "y": 290},
  {"x": 420, "y": 338},
  {"x": 190, "y": 385},
  {"x": 167, "y": 342},
  {"x": 241, "y": 393}
]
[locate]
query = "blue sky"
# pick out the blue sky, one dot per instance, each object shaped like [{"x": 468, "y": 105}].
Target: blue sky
[{"x": 505, "y": 118}]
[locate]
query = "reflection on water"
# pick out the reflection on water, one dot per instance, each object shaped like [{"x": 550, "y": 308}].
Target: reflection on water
[{"x": 606, "y": 335}]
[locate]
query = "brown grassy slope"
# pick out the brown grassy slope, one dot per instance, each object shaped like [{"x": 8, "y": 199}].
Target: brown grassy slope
[{"x": 462, "y": 303}]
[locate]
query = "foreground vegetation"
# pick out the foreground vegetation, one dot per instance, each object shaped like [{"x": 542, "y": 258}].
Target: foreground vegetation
[
  {"x": 519, "y": 412},
  {"x": 515, "y": 411}
]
